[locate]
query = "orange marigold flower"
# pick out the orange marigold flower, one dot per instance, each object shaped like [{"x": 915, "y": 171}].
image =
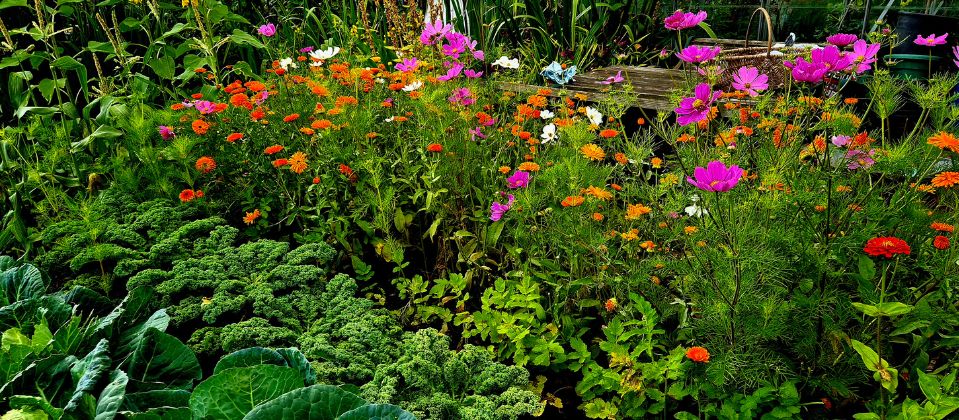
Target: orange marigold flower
[
  {"x": 945, "y": 179},
  {"x": 851, "y": 101},
  {"x": 686, "y": 138},
  {"x": 592, "y": 152},
  {"x": 573, "y": 201},
  {"x": 689, "y": 230},
  {"x": 698, "y": 354},
  {"x": 205, "y": 164},
  {"x": 610, "y": 304},
  {"x": 598, "y": 192},
  {"x": 307, "y": 130},
  {"x": 887, "y": 246},
  {"x": 298, "y": 162},
  {"x": 598, "y": 217},
  {"x": 941, "y": 242},
  {"x": 177, "y": 106},
  {"x": 649, "y": 246},
  {"x": 251, "y": 217},
  {"x": 537, "y": 101},
  {"x": 632, "y": 235},
  {"x": 656, "y": 162},
  {"x": 616, "y": 187},
  {"x": 321, "y": 124},
  {"x": 504, "y": 169},
  {"x": 942, "y": 227},
  {"x": 280, "y": 162},
  {"x": 291, "y": 117},
  {"x": 200, "y": 127},
  {"x": 945, "y": 140},
  {"x": 621, "y": 158},
  {"x": 187, "y": 195},
  {"x": 434, "y": 148},
  {"x": 608, "y": 133},
  {"x": 255, "y": 86},
  {"x": 274, "y": 149},
  {"x": 635, "y": 211},
  {"x": 234, "y": 137},
  {"x": 529, "y": 167},
  {"x": 843, "y": 188}
]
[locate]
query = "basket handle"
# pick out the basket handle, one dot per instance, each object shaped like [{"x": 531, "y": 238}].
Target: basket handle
[{"x": 769, "y": 28}]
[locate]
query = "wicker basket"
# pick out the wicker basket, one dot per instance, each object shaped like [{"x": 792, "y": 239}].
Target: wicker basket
[{"x": 762, "y": 58}]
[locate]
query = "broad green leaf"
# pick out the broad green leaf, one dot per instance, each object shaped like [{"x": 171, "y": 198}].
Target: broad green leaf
[
  {"x": 869, "y": 357},
  {"x": 295, "y": 359},
  {"x": 31, "y": 403},
  {"x": 869, "y": 310},
  {"x": 232, "y": 393},
  {"x": 66, "y": 63},
  {"x": 102, "y": 132},
  {"x": 47, "y": 86},
  {"x": 87, "y": 372},
  {"x": 253, "y": 356},
  {"x": 867, "y": 268},
  {"x": 12, "y": 3},
  {"x": 144, "y": 401},
  {"x": 164, "y": 66},
  {"x": 25, "y": 415},
  {"x": 894, "y": 308},
  {"x": 929, "y": 385},
  {"x": 242, "y": 38},
  {"x": 317, "y": 402},
  {"x": 377, "y": 412},
  {"x": 112, "y": 396},
  {"x": 21, "y": 283},
  {"x": 165, "y": 361}
]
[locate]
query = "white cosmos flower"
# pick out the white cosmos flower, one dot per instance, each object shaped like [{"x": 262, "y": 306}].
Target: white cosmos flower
[
  {"x": 413, "y": 86},
  {"x": 390, "y": 119},
  {"x": 325, "y": 54},
  {"x": 549, "y": 133},
  {"x": 546, "y": 114},
  {"x": 287, "y": 63},
  {"x": 694, "y": 209},
  {"x": 595, "y": 117},
  {"x": 507, "y": 63}
]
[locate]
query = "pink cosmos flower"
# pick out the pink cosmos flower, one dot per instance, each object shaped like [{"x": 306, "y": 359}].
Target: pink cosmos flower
[
  {"x": 931, "y": 40},
  {"x": 716, "y": 177},
  {"x": 663, "y": 53},
  {"x": 472, "y": 74},
  {"x": 434, "y": 31},
  {"x": 165, "y": 132},
  {"x": 679, "y": 20},
  {"x": 841, "y": 40},
  {"x": 462, "y": 96},
  {"x": 267, "y": 30},
  {"x": 840, "y": 140},
  {"x": 860, "y": 159},
  {"x": 831, "y": 58},
  {"x": 306, "y": 49},
  {"x": 497, "y": 209},
  {"x": 454, "y": 71},
  {"x": 205, "y": 107},
  {"x": 456, "y": 44},
  {"x": 805, "y": 71},
  {"x": 407, "y": 65},
  {"x": 697, "y": 54},
  {"x": 477, "y": 132},
  {"x": 863, "y": 55},
  {"x": 748, "y": 79},
  {"x": 617, "y": 78},
  {"x": 520, "y": 179},
  {"x": 696, "y": 108}
]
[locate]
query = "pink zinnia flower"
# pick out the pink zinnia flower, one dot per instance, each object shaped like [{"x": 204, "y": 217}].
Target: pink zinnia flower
[
  {"x": 863, "y": 55},
  {"x": 408, "y": 65},
  {"x": 679, "y": 20},
  {"x": 695, "y": 109},
  {"x": 617, "y": 78},
  {"x": 497, "y": 209},
  {"x": 697, "y": 54},
  {"x": 841, "y": 40},
  {"x": 931, "y": 40},
  {"x": 748, "y": 79},
  {"x": 267, "y": 30},
  {"x": 520, "y": 179},
  {"x": 716, "y": 177},
  {"x": 166, "y": 132}
]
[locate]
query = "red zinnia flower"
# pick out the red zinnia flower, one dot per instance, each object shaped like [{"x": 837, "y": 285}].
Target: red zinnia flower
[
  {"x": 291, "y": 117},
  {"x": 941, "y": 242},
  {"x": 234, "y": 137},
  {"x": 434, "y": 148},
  {"x": 887, "y": 246},
  {"x": 205, "y": 164},
  {"x": 276, "y": 148},
  {"x": 698, "y": 354},
  {"x": 280, "y": 162},
  {"x": 187, "y": 195}
]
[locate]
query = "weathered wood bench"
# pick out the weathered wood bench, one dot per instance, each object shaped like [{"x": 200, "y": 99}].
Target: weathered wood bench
[{"x": 651, "y": 85}]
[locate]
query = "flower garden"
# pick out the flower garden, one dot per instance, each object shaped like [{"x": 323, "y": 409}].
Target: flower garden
[{"x": 338, "y": 211}]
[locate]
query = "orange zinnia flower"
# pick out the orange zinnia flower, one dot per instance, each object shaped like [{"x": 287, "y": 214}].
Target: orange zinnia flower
[
  {"x": 280, "y": 162},
  {"x": 698, "y": 354},
  {"x": 592, "y": 152},
  {"x": 598, "y": 217},
  {"x": 251, "y": 217},
  {"x": 945, "y": 179},
  {"x": 945, "y": 140},
  {"x": 200, "y": 127},
  {"x": 686, "y": 138},
  {"x": 434, "y": 148},
  {"x": 276, "y": 148},
  {"x": 234, "y": 137},
  {"x": 941, "y": 242},
  {"x": 298, "y": 162},
  {"x": 254, "y": 86},
  {"x": 656, "y": 162},
  {"x": 573, "y": 201},
  {"x": 291, "y": 117},
  {"x": 187, "y": 195},
  {"x": 942, "y": 227},
  {"x": 321, "y": 124},
  {"x": 529, "y": 167},
  {"x": 608, "y": 133},
  {"x": 621, "y": 158},
  {"x": 205, "y": 164}
]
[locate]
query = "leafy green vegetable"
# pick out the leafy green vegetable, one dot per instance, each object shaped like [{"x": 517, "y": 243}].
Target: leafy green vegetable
[{"x": 232, "y": 393}]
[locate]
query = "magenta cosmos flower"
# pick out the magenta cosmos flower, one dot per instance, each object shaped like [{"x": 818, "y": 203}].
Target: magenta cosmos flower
[
  {"x": 695, "y": 109},
  {"x": 617, "y": 78},
  {"x": 407, "y": 65},
  {"x": 520, "y": 179},
  {"x": 679, "y": 20},
  {"x": 841, "y": 40},
  {"x": 748, "y": 79},
  {"x": 697, "y": 54},
  {"x": 453, "y": 72},
  {"x": 267, "y": 30},
  {"x": 497, "y": 209},
  {"x": 863, "y": 55},
  {"x": 716, "y": 177},
  {"x": 165, "y": 132},
  {"x": 434, "y": 31},
  {"x": 931, "y": 40}
]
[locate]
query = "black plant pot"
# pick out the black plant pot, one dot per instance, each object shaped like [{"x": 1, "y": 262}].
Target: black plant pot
[{"x": 909, "y": 25}]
